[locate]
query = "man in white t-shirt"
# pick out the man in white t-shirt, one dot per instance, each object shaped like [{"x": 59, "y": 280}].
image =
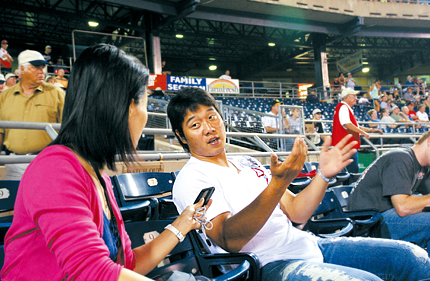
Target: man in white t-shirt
[
  {"x": 271, "y": 122},
  {"x": 252, "y": 209},
  {"x": 226, "y": 75},
  {"x": 350, "y": 82}
]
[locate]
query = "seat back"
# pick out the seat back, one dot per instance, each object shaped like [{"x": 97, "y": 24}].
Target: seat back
[
  {"x": 328, "y": 208},
  {"x": 135, "y": 188},
  {"x": 138, "y": 185},
  {"x": 8, "y": 192},
  {"x": 342, "y": 193}
]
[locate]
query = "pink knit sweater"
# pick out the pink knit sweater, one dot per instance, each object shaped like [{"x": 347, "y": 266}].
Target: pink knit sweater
[{"x": 57, "y": 227}]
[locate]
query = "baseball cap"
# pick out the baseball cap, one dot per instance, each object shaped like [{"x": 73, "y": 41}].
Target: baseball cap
[
  {"x": 48, "y": 47},
  {"x": 316, "y": 111},
  {"x": 9, "y": 75},
  {"x": 33, "y": 57},
  {"x": 349, "y": 73},
  {"x": 4, "y": 41},
  {"x": 276, "y": 102},
  {"x": 394, "y": 107},
  {"x": 409, "y": 103},
  {"x": 348, "y": 91},
  {"x": 2, "y": 80}
]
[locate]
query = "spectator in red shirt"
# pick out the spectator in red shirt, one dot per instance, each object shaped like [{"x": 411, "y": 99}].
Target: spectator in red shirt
[{"x": 412, "y": 113}]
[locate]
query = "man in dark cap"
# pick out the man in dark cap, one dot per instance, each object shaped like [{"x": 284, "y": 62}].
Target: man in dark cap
[
  {"x": 270, "y": 121},
  {"x": 31, "y": 100}
]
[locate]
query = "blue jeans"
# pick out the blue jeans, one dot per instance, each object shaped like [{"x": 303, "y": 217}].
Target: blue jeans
[
  {"x": 414, "y": 228},
  {"x": 353, "y": 167},
  {"x": 356, "y": 259}
]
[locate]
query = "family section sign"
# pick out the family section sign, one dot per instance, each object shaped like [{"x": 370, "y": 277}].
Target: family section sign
[{"x": 175, "y": 83}]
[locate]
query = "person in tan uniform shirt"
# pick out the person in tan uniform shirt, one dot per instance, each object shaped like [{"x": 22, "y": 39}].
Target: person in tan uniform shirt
[{"x": 31, "y": 100}]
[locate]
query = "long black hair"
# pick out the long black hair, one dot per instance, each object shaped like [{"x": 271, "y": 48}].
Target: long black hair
[{"x": 102, "y": 85}]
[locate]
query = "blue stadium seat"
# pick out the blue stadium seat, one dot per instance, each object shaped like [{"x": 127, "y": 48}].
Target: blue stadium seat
[
  {"x": 136, "y": 188},
  {"x": 192, "y": 256}
]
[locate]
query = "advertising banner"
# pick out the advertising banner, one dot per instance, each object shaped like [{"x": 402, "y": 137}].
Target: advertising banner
[
  {"x": 175, "y": 83},
  {"x": 157, "y": 81},
  {"x": 350, "y": 63},
  {"x": 222, "y": 86}
]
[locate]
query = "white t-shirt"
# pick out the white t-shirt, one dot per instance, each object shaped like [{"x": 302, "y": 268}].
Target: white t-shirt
[
  {"x": 344, "y": 114},
  {"x": 350, "y": 83},
  {"x": 387, "y": 119},
  {"x": 225, "y": 77},
  {"x": 269, "y": 121},
  {"x": 422, "y": 116},
  {"x": 277, "y": 239}
]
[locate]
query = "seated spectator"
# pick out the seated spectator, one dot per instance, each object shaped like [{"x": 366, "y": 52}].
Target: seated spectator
[
  {"x": 399, "y": 116},
  {"x": 164, "y": 68},
  {"x": 294, "y": 122},
  {"x": 409, "y": 95},
  {"x": 10, "y": 80},
  {"x": 411, "y": 111},
  {"x": 364, "y": 100},
  {"x": 2, "y": 83},
  {"x": 427, "y": 102},
  {"x": 396, "y": 96},
  {"x": 50, "y": 79},
  {"x": 312, "y": 97},
  {"x": 61, "y": 79},
  {"x": 253, "y": 211},
  {"x": 387, "y": 119},
  {"x": 271, "y": 124},
  {"x": 373, "y": 117},
  {"x": 66, "y": 223},
  {"x": 390, "y": 185},
  {"x": 422, "y": 114},
  {"x": 318, "y": 128},
  {"x": 336, "y": 87},
  {"x": 384, "y": 102}
]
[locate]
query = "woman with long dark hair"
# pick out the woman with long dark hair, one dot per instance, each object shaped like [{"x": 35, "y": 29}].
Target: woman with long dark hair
[{"x": 67, "y": 225}]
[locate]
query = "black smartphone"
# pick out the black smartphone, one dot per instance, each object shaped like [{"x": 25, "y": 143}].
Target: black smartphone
[{"x": 206, "y": 194}]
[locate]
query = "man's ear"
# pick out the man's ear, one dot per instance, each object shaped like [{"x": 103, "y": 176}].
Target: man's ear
[{"x": 182, "y": 139}]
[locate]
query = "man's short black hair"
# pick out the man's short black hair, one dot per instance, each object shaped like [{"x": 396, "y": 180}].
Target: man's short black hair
[
  {"x": 187, "y": 99},
  {"x": 95, "y": 119}
]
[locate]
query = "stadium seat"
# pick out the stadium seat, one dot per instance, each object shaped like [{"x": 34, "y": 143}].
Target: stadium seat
[
  {"x": 326, "y": 221},
  {"x": 314, "y": 166},
  {"x": 8, "y": 192},
  {"x": 365, "y": 221},
  {"x": 155, "y": 187},
  {"x": 343, "y": 176},
  {"x": 192, "y": 257}
]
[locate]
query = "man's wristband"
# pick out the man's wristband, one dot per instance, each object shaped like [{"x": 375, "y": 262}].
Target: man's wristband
[
  {"x": 175, "y": 231},
  {"x": 323, "y": 177}
]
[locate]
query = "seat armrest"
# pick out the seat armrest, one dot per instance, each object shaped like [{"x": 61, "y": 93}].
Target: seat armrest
[{"x": 340, "y": 227}]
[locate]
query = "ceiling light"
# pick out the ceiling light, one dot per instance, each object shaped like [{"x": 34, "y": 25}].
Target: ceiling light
[
  {"x": 212, "y": 58},
  {"x": 365, "y": 62},
  {"x": 272, "y": 44},
  {"x": 93, "y": 23},
  {"x": 179, "y": 36},
  {"x": 212, "y": 67},
  {"x": 365, "y": 70}
]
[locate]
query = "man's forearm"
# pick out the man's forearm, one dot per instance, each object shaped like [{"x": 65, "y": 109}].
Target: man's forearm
[{"x": 407, "y": 205}]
